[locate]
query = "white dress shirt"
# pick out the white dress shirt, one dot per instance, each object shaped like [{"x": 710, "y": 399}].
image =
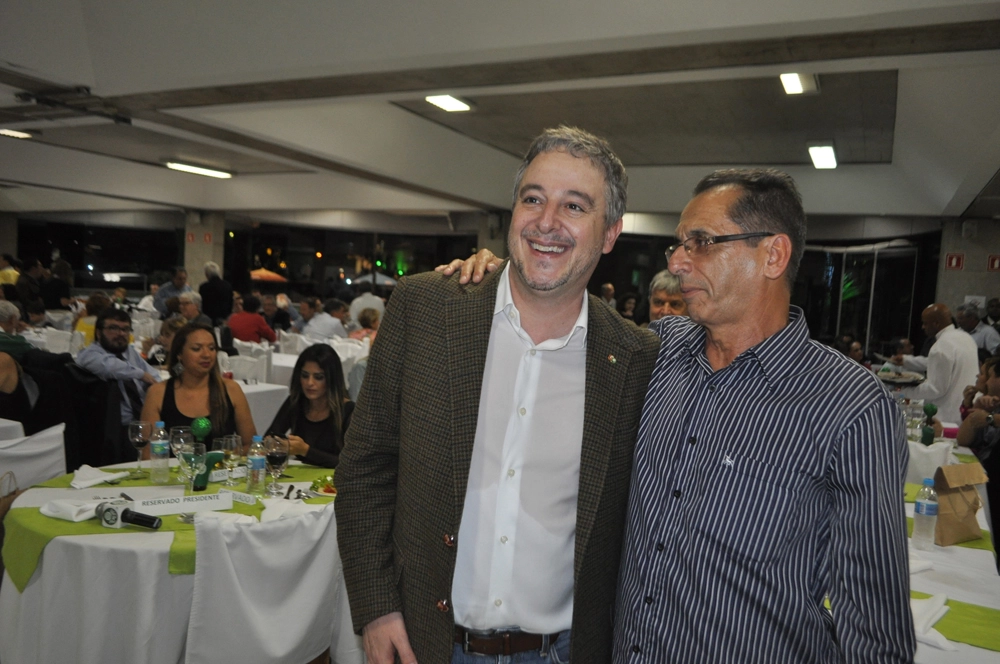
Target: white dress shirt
[
  {"x": 952, "y": 364},
  {"x": 514, "y": 563},
  {"x": 323, "y": 326},
  {"x": 986, "y": 337}
]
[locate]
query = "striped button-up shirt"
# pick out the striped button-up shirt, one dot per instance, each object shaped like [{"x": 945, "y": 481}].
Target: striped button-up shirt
[{"x": 758, "y": 491}]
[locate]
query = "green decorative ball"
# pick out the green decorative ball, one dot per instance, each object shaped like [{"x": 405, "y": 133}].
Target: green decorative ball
[
  {"x": 930, "y": 410},
  {"x": 201, "y": 427}
]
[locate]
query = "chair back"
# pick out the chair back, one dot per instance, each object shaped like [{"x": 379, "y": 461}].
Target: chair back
[
  {"x": 349, "y": 351},
  {"x": 35, "y": 458},
  {"x": 57, "y": 341},
  {"x": 247, "y": 368}
]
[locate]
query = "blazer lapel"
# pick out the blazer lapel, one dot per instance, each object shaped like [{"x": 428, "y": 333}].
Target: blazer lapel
[
  {"x": 608, "y": 362},
  {"x": 468, "y": 319}
]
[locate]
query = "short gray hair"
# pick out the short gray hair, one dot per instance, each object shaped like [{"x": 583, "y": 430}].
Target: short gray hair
[
  {"x": 212, "y": 269},
  {"x": 967, "y": 309},
  {"x": 9, "y": 312},
  {"x": 580, "y": 143},
  {"x": 190, "y": 296},
  {"x": 664, "y": 281}
]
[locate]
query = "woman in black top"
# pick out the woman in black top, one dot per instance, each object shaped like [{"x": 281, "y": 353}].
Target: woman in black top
[{"x": 317, "y": 411}]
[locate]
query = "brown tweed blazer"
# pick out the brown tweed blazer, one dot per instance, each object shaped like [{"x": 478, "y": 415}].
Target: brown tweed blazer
[{"x": 402, "y": 475}]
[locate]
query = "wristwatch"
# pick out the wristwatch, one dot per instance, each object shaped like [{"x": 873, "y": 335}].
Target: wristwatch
[{"x": 989, "y": 420}]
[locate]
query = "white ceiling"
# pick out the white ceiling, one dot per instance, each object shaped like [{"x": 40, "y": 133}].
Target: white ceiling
[{"x": 362, "y": 152}]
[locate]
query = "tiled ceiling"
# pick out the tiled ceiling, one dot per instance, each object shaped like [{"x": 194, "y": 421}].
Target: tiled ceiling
[{"x": 747, "y": 121}]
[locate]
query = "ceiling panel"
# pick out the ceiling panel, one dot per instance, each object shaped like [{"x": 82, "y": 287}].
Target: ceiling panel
[{"x": 748, "y": 121}]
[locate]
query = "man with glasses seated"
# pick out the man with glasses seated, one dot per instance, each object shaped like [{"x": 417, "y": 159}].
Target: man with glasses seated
[{"x": 112, "y": 357}]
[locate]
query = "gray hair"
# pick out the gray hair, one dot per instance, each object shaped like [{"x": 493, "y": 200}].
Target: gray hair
[
  {"x": 580, "y": 143},
  {"x": 770, "y": 202},
  {"x": 967, "y": 309},
  {"x": 664, "y": 281},
  {"x": 190, "y": 297},
  {"x": 212, "y": 269},
  {"x": 9, "y": 312}
]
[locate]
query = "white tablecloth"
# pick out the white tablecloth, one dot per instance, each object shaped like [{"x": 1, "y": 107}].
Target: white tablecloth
[
  {"x": 265, "y": 399},
  {"x": 106, "y": 598}
]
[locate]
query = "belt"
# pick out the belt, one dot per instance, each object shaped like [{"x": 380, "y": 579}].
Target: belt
[{"x": 501, "y": 642}]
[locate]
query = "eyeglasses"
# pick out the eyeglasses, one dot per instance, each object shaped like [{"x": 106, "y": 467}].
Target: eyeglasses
[
  {"x": 696, "y": 245},
  {"x": 117, "y": 328}
]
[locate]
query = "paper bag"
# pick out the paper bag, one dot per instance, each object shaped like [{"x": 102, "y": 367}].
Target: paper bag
[{"x": 958, "y": 502}]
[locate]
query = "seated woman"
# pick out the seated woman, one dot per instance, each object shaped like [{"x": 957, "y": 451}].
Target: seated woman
[
  {"x": 197, "y": 389},
  {"x": 368, "y": 320},
  {"x": 96, "y": 303},
  {"x": 317, "y": 412},
  {"x": 152, "y": 348}
]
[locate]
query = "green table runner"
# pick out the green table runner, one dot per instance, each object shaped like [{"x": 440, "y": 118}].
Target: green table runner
[
  {"x": 968, "y": 623},
  {"x": 984, "y": 543},
  {"x": 966, "y": 458},
  {"x": 28, "y": 531}
]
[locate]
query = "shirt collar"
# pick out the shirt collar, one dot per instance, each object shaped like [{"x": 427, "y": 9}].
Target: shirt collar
[
  {"x": 505, "y": 305},
  {"x": 943, "y": 330}
]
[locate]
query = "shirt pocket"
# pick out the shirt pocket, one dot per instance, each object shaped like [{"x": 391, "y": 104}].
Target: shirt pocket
[{"x": 748, "y": 510}]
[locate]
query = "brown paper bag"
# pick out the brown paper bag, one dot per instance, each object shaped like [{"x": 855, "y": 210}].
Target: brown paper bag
[{"x": 958, "y": 502}]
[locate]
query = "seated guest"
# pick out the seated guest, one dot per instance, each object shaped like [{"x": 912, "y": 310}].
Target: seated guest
[
  {"x": 366, "y": 299},
  {"x": 112, "y": 357},
  {"x": 286, "y": 304},
  {"x": 340, "y": 311},
  {"x": 275, "y": 317},
  {"x": 626, "y": 306},
  {"x": 10, "y": 324},
  {"x": 369, "y": 321},
  {"x": 665, "y": 296},
  {"x": 992, "y": 316},
  {"x": 987, "y": 339},
  {"x": 248, "y": 325},
  {"x": 160, "y": 346},
  {"x": 37, "y": 318},
  {"x": 980, "y": 431},
  {"x": 857, "y": 353},
  {"x": 316, "y": 323},
  {"x": 973, "y": 392},
  {"x": 197, "y": 389},
  {"x": 237, "y": 303},
  {"x": 9, "y": 269},
  {"x": 174, "y": 288},
  {"x": 317, "y": 411},
  {"x": 190, "y": 307},
  {"x": 146, "y": 303},
  {"x": 96, "y": 304},
  {"x": 29, "y": 283}
]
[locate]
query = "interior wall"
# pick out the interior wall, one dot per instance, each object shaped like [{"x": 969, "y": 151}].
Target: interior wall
[{"x": 975, "y": 240}]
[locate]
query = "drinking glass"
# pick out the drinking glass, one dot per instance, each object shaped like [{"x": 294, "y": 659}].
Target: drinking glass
[
  {"x": 138, "y": 434},
  {"x": 232, "y": 450},
  {"x": 191, "y": 464},
  {"x": 276, "y": 450},
  {"x": 180, "y": 436}
]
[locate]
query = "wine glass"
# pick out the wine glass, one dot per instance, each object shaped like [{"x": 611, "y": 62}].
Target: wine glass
[
  {"x": 138, "y": 434},
  {"x": 276, "y": 450},
  {"x": 180, "y": 436},
  {"x": 192, "y": 463},
  {"x": 232, "y": 450}
]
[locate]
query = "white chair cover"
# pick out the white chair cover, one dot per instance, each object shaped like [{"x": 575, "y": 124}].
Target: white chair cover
[
  {"x": 35, "y": 458},
  {"x": 349, "y": 351},
  {"x": 62, "y": 319},
  {"x": 247, "y": 368},
  {"x": 270, "y": 592},
  {"x": 145, "y": 328},
  {"x": 288, "y": 342},
  {"x": 926, "y": 459},
  {"x": 57, "y": 341},
  {"x": 76, "y": 343},
  {"x": 10, "y": 429}
]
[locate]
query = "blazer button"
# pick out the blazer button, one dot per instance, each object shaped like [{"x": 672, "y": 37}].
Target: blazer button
[
  {"x": 442, "y": 605},
  {"x": 449, "y": 540}
]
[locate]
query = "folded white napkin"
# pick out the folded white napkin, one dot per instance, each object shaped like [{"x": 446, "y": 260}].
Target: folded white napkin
[
  {"x": 279, "y": 508},
  {"x": 224, "y": 517},
  {"x": 87, "y": 476},
  {"x": 918, "y": 563},
  {"x": 70, "y": 510},
  {"x": 926, "y": 612}
]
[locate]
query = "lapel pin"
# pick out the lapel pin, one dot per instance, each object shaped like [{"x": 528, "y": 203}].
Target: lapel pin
[{"x": 611, "y": 359}]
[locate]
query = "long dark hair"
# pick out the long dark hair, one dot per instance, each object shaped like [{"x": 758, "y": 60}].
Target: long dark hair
[
  {"x": 218, "y": 404},
  {"x": 336, "y": 390}
]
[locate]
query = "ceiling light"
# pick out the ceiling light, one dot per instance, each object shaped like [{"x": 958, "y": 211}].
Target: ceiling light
[
  {"x": 448, "y": 103},
  {"x": 197, "y": 170},
  {"x": 13, "y": 133},
  {"x": 823, "y": 156},
  {"x": 797, "y": 84}
]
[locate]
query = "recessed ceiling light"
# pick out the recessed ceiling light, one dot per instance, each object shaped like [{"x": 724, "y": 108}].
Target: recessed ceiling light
[
  {"x": 448, "y": 103},
  {"x": 198, "y": 170},
  {"x": 13, "y": 133},
  {"x": 797, "y": 84},
  {"x": 823, "y": 156}
]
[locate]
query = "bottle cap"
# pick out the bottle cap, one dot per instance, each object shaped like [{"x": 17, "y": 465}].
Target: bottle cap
[
  {"x": 928, "y": 481},
  {"x": 258, "y": 439},
  {"x": 160, "y": 424}
]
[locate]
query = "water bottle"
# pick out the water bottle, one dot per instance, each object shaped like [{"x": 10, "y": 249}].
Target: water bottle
[
  {"x": 159, "y": 455},
  {"x": 256, "y": 467},
  {"x": 925, "y": 516}
]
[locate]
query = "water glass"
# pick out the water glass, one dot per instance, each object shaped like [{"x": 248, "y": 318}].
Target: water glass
[
  {"x": 180, "y": 436},
  {"x": 232, "y": 451},
  {"x": 191, "y": 459}
]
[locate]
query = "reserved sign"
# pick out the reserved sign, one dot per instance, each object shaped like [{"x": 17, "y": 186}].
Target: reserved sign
[
  {"x": 221, "y": 474},
  {"x": 240, "y": 497},
  {"x": 210, "y": 502}
]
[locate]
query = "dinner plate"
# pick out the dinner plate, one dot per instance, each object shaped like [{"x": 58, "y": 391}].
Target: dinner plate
[{"x": 902, "y": 378}]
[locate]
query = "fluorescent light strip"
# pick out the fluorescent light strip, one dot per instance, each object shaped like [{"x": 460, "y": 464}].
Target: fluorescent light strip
[
  {"x": 13, "y": 133},
  {"x": 823, "y": 156},
  {"x": 448, "y": 103},
  {"x": 792, "y": 84},
  {"x": 197, "y": 170}
]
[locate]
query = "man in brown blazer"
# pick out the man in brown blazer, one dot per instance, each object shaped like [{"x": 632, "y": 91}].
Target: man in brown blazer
[{"x": 505, "y": 408}]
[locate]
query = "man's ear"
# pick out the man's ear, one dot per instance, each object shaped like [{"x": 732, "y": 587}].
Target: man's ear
[
  {"x": 611, "y": 236},
  {"x": 779, "y": 253}
]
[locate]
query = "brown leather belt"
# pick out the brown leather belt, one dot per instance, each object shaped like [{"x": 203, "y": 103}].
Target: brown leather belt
[{"x": 501, "y": 643}]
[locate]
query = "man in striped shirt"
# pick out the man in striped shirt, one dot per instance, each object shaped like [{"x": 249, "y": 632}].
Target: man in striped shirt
[{"x": 768, "y": 470}]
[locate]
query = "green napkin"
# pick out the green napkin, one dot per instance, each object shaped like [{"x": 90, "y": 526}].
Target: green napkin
[
  {"x": 28, "y": 531},
  {"x": 984, "y": 543},
  {"x": 968, "y": 623},
  {"x": 966, "y": 458},
  {"x": 910, "y": 492}
]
